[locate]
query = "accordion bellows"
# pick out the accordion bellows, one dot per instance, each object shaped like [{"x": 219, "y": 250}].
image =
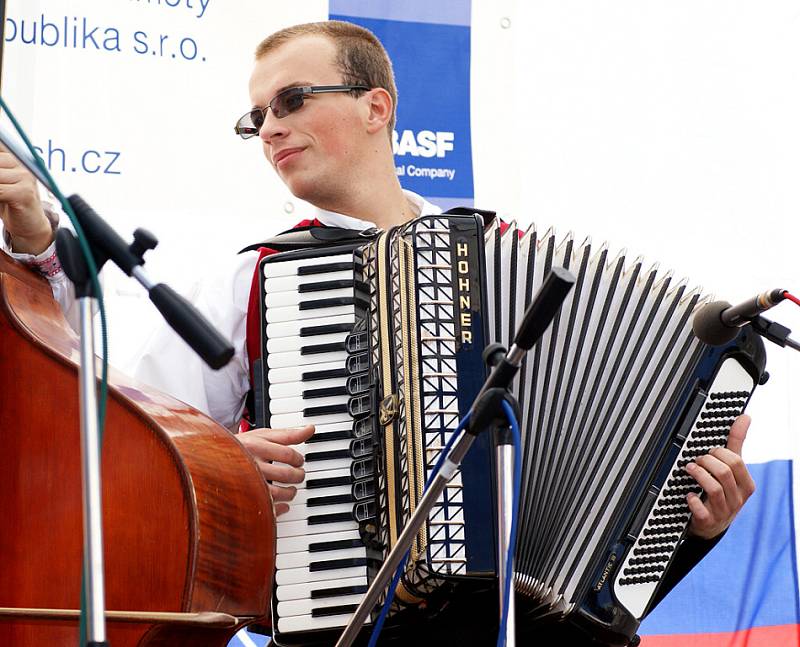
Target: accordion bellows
[{"x": 616, "y": 398}]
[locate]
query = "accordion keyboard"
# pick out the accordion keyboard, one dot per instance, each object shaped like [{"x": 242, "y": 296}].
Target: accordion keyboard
[{"x": 316, "y": 375}]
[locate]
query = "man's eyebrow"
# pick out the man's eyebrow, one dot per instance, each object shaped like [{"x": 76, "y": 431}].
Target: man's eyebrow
[{"x": 295, "y": 84}]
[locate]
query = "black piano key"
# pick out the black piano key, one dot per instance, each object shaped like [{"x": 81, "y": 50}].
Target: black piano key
[
  {"x": 329, "y": 329},
  {"x": 316, "y": 349},
  {"x": 321, "y": 286},
  {"x": 333, "y": 564},
  {"x": 324, "y": 268},
  {"x": 327, "y": 456},
  {"x": 330, "y": 374},
  {"x": 331, "y": 391},
  {"x": 342, "y": 544},
  {"x": 328, "y": 500},
  {"x": 328, "y": 410},
  {"x": 320, "y": 594},
  {"x": 333, "y": 302},
  {"x": 342, "y": 609},
  {"x": 332, "y": 481},
  {"x": 325, "y": 436},
  {"x": 334, "y": 517}
]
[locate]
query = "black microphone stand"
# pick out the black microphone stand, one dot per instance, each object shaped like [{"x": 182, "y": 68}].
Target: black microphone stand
[{"x": 486, "y": 413}]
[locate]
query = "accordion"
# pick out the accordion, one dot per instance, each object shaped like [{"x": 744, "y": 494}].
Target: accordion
[{"x": 379, "y": 344}]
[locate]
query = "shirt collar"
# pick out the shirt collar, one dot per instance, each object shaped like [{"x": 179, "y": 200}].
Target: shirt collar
[{"x": 419, "y": 205}]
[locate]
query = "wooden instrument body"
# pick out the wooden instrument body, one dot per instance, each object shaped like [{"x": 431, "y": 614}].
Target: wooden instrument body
[{"x": 188, "y": 521}]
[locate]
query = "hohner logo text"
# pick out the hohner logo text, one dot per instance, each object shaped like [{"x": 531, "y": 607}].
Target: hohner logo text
[{"x": 464, "y": 299}]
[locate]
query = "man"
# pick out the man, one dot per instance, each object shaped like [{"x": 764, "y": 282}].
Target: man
[{"x": 324, "y": 103}]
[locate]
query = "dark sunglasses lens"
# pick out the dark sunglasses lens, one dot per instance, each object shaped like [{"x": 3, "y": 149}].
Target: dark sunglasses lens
[
  {"x": 256, "y": 119},
  {"x": 287, "y": 103},
  {"x": 249, "y": 124}
]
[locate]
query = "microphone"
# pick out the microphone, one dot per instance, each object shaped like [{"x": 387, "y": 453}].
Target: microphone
[{"x": 718, "y": 323}]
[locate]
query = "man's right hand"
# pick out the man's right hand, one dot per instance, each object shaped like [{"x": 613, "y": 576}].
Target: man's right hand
[
  {"x": 21, "y": 209},
  {"x": 268, "y": 445}
]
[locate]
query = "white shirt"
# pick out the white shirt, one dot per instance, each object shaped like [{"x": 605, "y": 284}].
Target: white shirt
[{"x": 167, "y": 363}]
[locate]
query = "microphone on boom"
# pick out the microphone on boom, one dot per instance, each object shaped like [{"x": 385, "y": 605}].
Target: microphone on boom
[{"x": 718, "y": 322}]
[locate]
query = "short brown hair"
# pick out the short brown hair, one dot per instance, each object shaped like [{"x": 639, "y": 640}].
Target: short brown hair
[{"x": 360, "y": 56}]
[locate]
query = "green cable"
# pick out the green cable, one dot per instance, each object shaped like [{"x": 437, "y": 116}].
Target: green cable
[{"x": 84, "y": 244}]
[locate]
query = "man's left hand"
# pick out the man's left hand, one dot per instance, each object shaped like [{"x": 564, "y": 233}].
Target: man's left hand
[{"x": 724, "y": 477}]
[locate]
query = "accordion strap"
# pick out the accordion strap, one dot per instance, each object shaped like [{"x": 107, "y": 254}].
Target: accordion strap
[{"x": 313, "y": 236}]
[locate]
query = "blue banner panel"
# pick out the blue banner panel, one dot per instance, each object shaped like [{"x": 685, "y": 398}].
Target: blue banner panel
[
  {"x": 432, "y": 140},
  {"x": 445, "y": 13},
  {"x": 749, "y": 579}
]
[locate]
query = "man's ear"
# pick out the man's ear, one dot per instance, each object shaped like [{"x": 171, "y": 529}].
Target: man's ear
[{"x": 380, "y": 108}]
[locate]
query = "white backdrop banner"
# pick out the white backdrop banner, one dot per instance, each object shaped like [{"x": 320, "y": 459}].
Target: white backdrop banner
[{"x": 669, "y": 128}]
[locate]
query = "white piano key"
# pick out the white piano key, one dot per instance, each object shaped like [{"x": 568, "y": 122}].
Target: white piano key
[
  {"x": 304, "y": 560},
  {"x": 299, "y": 420},
  {"x": 293, "y": 282},
  {"x": 284, "y": 344},
  {"x": 308, "y": 362},
  {"x": 327, "y": 446},
  {"x": 308, "y": 623},
  {"x": 286, "y": 299},
  {"x": 298, "y": 575},
  {"x": 303, "y": 591},
  {"x": 292, "y": 389},
  {"x": 304, "y": 607},
  {"x": 289, "y": 268},
  {"x": 297, "y": 512},
  {"x": 302, "y": 496},
  {"x": 298, "y": 404},
  {"x": 330, "y": 446},
  {"x": 294, "y": 313},
  {"x": 321, "y": 466},
  {"x": 295, "y": 373},
  {"x": 302, "y": 527},
  {"x": 327, "y": 474},
  {"x": 313, "y": 467},
  {"x": 291, "y": 328},
  {"x": 342, "y": 425},
  {"x": 303, "y": 543}
]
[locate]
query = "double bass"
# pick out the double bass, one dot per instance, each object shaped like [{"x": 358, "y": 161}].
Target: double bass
[{"x": 188, "y": 522}]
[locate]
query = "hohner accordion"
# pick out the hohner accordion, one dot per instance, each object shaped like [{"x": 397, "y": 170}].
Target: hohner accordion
[{"x": 379, "y": 345}]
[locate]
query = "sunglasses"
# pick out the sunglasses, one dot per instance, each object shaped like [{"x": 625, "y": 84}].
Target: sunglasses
[{"x": 283, "y": 104}]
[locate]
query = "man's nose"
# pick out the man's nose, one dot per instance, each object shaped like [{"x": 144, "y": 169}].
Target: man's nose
[{"x": 272, "y": 128}]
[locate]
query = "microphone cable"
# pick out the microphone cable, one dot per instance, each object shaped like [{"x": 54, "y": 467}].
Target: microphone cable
[{"x": 791, "y": 297}]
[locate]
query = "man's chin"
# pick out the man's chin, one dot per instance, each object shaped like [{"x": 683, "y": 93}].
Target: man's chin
[{"x": 303, "y": 189}]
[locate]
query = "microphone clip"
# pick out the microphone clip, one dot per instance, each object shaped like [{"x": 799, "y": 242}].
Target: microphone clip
[{"x": 774, "y": 332}]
